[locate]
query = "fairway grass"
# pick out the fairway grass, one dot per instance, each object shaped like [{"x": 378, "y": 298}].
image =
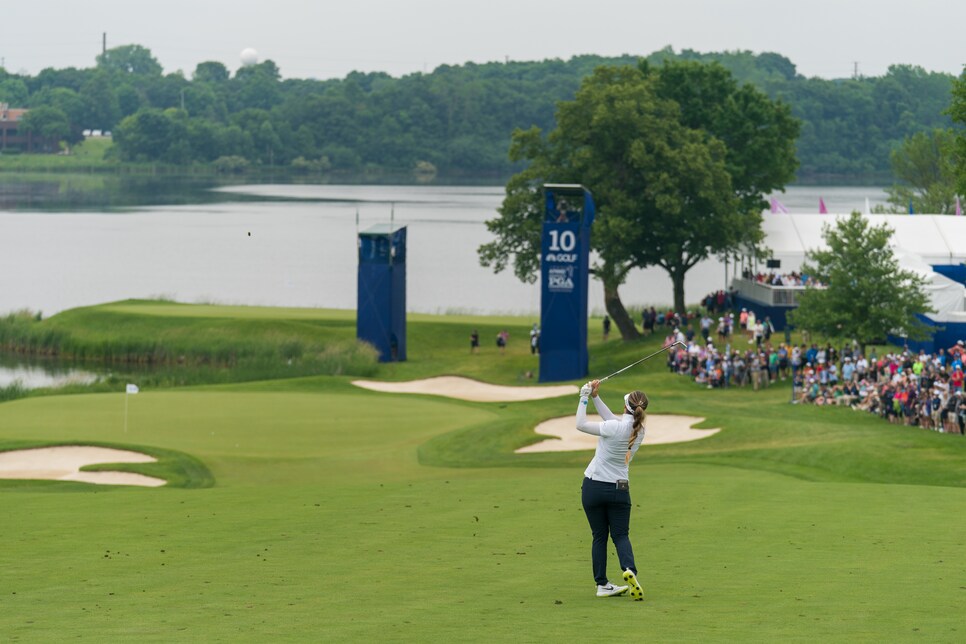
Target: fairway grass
[
  {"x": 333, "y": 513},
  {"x": 724, "y": 555}
]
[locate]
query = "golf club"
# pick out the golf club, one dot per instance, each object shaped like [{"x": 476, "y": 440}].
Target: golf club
[{"x": 644, "y": 358}]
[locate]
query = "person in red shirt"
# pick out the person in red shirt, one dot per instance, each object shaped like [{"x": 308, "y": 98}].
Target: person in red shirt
[{"x": 956, "y": 379}]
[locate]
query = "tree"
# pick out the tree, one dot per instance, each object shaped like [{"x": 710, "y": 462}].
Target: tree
[
  {"x": 67, "y": 78},
  {"x": 149, "y": 135},
  {"x": 256, "y": 86},
  {"x": 203, "y": 139},
  {"x": 68, "y": 102},
  {"x": 13, "y": 92},
  {"x": 924, "y": 163},
  {"x": 664, "y": 188},
  {"x": 201, "y": 101},
  {"x": 129, "y": 59},
  {"x": 210, "y": 72},
  {"x": 103, "y": 112},
  {"x": 266, "y": 68},
  {"x": 266, "y": 142},
  {"x": 758, "y": 133},
  {"x": 49, "y": 123},
  {"x": 129, "y": 100},
  {"x": 179, "y": 145},
  {"x": 235, "y": 142},
  {"x": 957, "y": 110},
  {"x": 868, "y": 296}
]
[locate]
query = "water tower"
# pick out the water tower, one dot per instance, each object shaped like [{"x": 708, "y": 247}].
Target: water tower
[{"x": 248, "y": 57}]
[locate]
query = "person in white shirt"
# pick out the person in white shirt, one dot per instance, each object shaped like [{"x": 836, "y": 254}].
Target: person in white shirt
[
  {"x": 605, "y": 492},
  {"x": 861, "y": 367},
  {"x": 679, "y": 336}
]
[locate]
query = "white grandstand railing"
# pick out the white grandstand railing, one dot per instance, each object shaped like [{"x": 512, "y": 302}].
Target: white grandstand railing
[{"x": 767, "y": 294}]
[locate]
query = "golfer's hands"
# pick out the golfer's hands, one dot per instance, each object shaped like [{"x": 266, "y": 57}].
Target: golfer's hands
[
  {"x": 585, "y": 391},
  {"x": 594, "y": 388}
]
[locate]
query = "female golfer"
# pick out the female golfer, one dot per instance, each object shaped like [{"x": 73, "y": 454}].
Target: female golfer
[{"x": 606, "y": 493}]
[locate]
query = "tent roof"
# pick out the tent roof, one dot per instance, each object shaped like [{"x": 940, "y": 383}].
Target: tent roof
[{"x": 937, "y": 239}]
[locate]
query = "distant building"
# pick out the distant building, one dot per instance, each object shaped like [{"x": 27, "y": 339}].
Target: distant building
[{"x": 10, "y": 135}]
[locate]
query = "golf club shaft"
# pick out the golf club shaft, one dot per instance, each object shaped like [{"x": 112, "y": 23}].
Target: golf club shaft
[{"x": 643, "y": 359}]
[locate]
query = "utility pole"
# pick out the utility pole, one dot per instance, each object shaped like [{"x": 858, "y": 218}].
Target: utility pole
[
  {"x": 855, "y": 70},
  {"x": 104, "y": 44}
]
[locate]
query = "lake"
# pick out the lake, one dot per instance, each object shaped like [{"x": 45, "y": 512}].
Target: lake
[
  {"x": 32, "y": 374},
  {"x": 293, "y": 245}
]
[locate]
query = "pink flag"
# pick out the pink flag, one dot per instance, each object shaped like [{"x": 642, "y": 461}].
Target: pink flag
[
  {"x": 777, "y": 206},
  {"x": 822, "y": 210},
  {"x": 959, "y": 208}
]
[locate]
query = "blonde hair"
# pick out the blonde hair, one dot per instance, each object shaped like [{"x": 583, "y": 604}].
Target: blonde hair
[{"x": 636, "y": 403}]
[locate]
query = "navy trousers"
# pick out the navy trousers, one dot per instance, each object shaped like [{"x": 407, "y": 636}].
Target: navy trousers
[{"x": 608, "y": 511}]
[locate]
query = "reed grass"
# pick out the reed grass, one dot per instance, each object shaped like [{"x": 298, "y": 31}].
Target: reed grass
[
  {"x": 13, "y": 391},
  {"x": 190, "y": 349}
]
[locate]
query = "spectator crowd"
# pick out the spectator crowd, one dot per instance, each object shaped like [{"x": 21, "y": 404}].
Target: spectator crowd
[
  {"x": 782, "y": 279},
  {"x": 902, "y": 387}
]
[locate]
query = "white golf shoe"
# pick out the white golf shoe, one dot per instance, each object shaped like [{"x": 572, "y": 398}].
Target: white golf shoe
[{"x": 610, "y": 590}]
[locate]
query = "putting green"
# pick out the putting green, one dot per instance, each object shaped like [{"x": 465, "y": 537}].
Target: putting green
[{"x": 250, "y": 438}]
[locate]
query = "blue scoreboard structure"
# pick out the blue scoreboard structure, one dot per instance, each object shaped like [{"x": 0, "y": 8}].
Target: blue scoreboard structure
[
  {"x": 381, "y": 305},
  {"x": 564, "y": 273}
]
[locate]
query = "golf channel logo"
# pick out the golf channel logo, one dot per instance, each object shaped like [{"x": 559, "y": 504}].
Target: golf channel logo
[
  {"x": 560, "y": 279},
  {"x": 561, "y": 257}
]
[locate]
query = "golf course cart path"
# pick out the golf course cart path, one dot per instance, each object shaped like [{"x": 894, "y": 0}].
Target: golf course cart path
[
  {"x": 64, "y": 463},
  {"x": 659, "y": 429},
  {"x": 467, "y": 389}
]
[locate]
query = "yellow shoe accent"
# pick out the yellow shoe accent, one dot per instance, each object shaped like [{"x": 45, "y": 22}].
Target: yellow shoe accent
[{"x": 637, "y": 593}]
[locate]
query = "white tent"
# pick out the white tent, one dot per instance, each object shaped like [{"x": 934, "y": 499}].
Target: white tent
[{"x": 947, "y": 296}]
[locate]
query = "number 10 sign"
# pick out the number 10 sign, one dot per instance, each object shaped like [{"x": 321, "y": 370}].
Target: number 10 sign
[{"x": 564, "y": 264}]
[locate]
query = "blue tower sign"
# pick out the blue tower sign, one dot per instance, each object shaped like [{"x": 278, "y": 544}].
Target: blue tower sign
[
  {"x": 381, "y": 305},
  {"x": 564, "y": 272}
]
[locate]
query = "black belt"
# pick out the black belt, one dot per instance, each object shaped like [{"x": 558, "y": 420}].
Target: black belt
[{"x": 621, "y": 484}]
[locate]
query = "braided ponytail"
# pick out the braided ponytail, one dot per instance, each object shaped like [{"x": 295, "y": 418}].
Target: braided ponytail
[{"x": 636, "y": 404}]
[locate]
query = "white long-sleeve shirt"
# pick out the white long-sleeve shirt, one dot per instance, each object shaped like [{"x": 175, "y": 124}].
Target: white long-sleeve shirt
[{"x": 610, "y": 459}]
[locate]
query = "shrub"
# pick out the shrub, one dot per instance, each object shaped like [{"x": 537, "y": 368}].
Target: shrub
[{"x": 231, "y": 164}]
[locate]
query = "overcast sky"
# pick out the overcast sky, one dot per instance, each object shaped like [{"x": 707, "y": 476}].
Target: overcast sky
[{"x": 327, "y": 39}]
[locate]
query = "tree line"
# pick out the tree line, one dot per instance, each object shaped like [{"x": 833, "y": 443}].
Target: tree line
[{"x": 457, "y": 119}]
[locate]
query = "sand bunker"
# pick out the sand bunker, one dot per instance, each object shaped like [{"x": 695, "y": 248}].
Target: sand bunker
[
  {"x": 466, "y": 389},
  {"x": 659, "y": 429},
  {"x": 64, "y": 463}
]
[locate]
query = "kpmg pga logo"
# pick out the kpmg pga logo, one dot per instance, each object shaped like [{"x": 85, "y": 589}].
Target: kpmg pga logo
[{"x": 560, "y": 279}]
